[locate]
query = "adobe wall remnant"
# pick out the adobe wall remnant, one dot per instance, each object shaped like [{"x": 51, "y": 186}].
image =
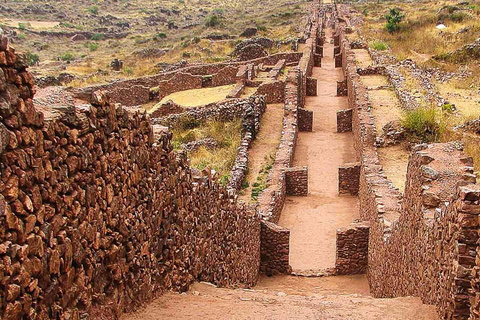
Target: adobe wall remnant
[
  {"x": 92, "y": 209},
  {"x": 344, "y": 120},
  {"x": 349, "y": 178},
  {"x": 296, "y": 179},
  {"x": 352, "y": 249},
  {"x": 275, "y": 249},
  {"x": 311, "y": 86},
  {"x": 305, "y": 120}
]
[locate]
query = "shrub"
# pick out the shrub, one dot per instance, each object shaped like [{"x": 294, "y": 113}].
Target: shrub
[
  {"x": 379, "y": 45},
  {"x": 262, "y": 28},
  {"x": 161, "y": 35},
  {"x": 128, "y": 71},
  {"x": 94, "y": 47},
  {"x": 393, "y": 20},
  {"x": 67, "y": 56},
  {"x": 32, "y": 58},
  {"x": 458, "y": 16},
  {"x": 96, "y": 36},
  {"x": 22, "y": 26},
  {"x": 21, "y": 36},
  {"x": 422, "y": 124},
  {"x": 213, "y": 21},
  {"x": 93, "y": 9},
  {"x": 196, "y": 40}
]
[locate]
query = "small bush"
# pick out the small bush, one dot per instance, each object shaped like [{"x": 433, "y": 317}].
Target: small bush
[
  {"x": 128, "y": 71},
  {"x": 96, "y": 36},
  {"x": 196, "y": 40},
  {"x": 67, "y": 56},
  {"x": 422, "y": 124},
  {"x": 21, "y": 36},
  {"x": 93, "y": 47},
  {"x": 448, "y": 107},
  {"x": 93, "y": 9},
  {"x": 213, "y": 21},
  {"x": 458, "y": 16},
  {"x": 186, "y": 55},
  {"x": 379, "y": 45},
  {"x": 262, "y": 28},
  {"x": 393, "y": 20},
  {"x": 32, "y": 58},
  {"x": 22, "y": 26},
  {"x": 161, "y": 35}
]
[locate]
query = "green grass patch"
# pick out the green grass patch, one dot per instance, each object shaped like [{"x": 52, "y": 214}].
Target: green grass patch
[
  {"x": 379, "y": 45},
  {"x": 423, "y": 124}
]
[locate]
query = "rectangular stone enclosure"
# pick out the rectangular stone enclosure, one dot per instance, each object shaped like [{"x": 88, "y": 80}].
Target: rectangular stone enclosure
[{"x": 297, "y": 181}]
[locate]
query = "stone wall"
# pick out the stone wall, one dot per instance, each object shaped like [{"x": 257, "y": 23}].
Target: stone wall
[
  {"x": 305, "y": 120},
  {"x": 349, "y": 178},
  {"x": 275, "y": 249},
  {"x": 342, "y": 88},
  {"x": 296, "y": 179},
  {"x": 311, "y": 86},
  {"x": 222, "y": 74},
  {"x": 352, "y": 249},
  {"x": 425, "y": 243},
  {"x": 273, "y": 91},
  {"x": 272, "y": 199},
  {"x": 98, "y": 216},
  {"x": 226, "y": 110},
  {"x": 344, "y": 120}
]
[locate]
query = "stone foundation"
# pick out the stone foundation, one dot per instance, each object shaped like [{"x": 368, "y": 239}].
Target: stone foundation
[
  {"x": 344, "y": 120},
  {"x": 297, "y": 181},
  {"x": 352, "y": 249},
  {"x": 348, "y": 178}
]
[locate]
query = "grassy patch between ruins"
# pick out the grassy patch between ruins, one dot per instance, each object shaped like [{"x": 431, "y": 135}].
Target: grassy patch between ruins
[{"x": 221, "y": 158}]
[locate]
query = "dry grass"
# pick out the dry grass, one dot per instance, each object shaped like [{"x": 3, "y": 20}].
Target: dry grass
[
  {"x": 198, "y": 97},
  {"x": 222, "y": 158}
]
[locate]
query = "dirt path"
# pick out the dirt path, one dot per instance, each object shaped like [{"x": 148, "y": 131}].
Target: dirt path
[
  {"x": 264, "y": 146},
  {"x": 313, "y": 220},
  {"x": 284, "y": 297}
]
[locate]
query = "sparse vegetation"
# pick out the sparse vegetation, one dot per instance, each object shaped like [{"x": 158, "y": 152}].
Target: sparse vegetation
[
  {"x": 67, "y": 56},
  {"x": 32, "y": 58},
  {"x": 213, "y": 21},
  {"x": 93, "y": 47},
  {"x": 93, "y": 10},
  {"x": 379, "y": 45},
  {"x": 221, "y": 158},
  {"x": 422, "y": 124},
  {"x": 261, "y": 183}
]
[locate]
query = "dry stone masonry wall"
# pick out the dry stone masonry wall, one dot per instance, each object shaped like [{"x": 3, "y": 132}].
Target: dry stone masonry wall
[
  {"x": 98, "y": 216},
  {"x": 425, "y": 243}
]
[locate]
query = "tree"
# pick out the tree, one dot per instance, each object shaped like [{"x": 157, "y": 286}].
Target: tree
[{"x": 393, "y": 20}]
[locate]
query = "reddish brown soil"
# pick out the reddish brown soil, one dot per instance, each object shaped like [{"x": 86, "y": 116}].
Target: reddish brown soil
[
  {"x": 285, "y": 297},
  {"x": 314, "y": 219}
]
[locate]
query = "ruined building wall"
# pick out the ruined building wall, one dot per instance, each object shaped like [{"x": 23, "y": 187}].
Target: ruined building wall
[
  {"x": 425, "y": 243},
  {"x": 98, "y": 216}
]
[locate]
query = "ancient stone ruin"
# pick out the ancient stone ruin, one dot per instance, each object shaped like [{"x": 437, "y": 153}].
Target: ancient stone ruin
[{"x": 99, "y": 216}]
